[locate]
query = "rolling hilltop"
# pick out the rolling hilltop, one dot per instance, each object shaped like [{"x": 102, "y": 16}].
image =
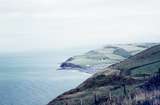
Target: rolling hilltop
[
  {"x": 134, "y": 81},
  {"x": 99, "y": 59}
]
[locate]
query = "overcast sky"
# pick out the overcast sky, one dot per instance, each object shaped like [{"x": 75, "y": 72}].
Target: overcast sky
[{"x": 51, "y": 24}]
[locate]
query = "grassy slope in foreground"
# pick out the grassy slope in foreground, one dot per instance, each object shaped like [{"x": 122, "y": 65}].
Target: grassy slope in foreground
[{"x": 116, "y": 82}]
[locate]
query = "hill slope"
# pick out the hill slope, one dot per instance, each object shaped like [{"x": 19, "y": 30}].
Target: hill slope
[
  {"x": 118, "y": 83},
  {"x": 99, "y": 59}
]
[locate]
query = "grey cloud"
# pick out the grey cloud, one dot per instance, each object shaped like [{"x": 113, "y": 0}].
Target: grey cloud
[{"x": 47, "y": 22}]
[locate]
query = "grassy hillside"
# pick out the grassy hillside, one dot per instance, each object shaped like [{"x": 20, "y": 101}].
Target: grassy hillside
[
  {"x": 99, "y": 59},
  {"x": 144, "y": 62},
  {"x": 124, "y": 83}
]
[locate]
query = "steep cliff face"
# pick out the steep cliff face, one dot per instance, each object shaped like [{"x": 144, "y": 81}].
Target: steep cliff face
[
  {"x": 123, "y": 83},
  {"x": 99, "y": 59}
]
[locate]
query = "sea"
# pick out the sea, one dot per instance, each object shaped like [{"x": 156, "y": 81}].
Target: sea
[{"x": 33, "y": 78}]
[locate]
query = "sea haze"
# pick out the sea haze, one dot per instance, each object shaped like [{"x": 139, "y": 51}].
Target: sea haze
[{"x": 33, "y": 79}]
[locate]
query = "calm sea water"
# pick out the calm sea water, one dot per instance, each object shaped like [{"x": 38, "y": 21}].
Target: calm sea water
[{"x": 33, "y": 79}]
